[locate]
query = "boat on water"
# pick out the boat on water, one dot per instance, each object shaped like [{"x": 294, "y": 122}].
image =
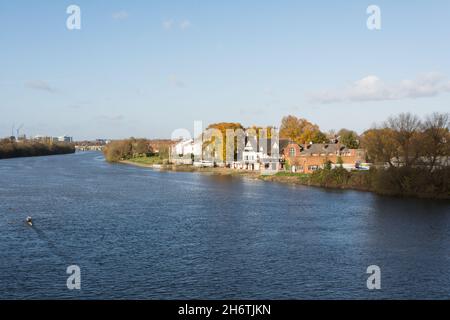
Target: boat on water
[{"x": 29, "y": 221}]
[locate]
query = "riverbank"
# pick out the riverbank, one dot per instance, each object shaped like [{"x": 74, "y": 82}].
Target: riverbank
[
  {"x": 12, "y": 149},
  {"x": 280, "y": 177},
  {"x": 392, "y": 182},
  {"x": 188, "y": 168}
]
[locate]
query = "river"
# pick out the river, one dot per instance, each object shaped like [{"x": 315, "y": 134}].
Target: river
[{"x": 141, "y": 234}]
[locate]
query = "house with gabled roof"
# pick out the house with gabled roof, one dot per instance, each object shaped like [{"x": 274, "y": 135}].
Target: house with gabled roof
[{"x": 308, "y": 158}]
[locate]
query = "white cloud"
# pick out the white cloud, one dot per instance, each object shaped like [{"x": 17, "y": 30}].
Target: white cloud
[
  {"x": 40, "y": 85},
  {"x": 120, "y": 15},
  {"x": 167, "y": 24},
  {"x": 185, "y": 24},
  {"x": 372, "y": 88}
]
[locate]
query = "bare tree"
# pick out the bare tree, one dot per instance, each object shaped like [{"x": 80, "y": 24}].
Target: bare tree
[
  {"x": 435, "y": 139},
  {"x": 380, "y": 145},
  {"x": 406, "y": 131}
]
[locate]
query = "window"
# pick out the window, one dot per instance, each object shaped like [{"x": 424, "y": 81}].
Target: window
[{"x": 292, "y": 152}]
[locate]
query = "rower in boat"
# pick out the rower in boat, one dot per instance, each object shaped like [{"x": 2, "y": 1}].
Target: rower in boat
[{"x": 30, "y": 221}]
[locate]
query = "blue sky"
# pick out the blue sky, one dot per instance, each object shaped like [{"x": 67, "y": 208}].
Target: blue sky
[{"x": 146, "y": 68}]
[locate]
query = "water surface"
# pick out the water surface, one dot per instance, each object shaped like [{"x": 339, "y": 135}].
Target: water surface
[{"x": 143, "y": 234}]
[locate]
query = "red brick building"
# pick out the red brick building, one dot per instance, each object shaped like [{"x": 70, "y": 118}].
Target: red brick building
[{"x": 315, "y": 156}]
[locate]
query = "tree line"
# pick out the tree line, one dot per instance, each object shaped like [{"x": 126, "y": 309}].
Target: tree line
[
  {"x": 9, "y": 148},
  {"x": 410, "y": 155},
  {"x": 302, "y": 131},
  {"x": 119, "y": 150},
  {"x": 408, "y": 141}
]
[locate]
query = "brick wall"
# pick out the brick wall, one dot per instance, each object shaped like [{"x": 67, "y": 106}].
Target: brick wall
[{"x": 310, "y": 163}]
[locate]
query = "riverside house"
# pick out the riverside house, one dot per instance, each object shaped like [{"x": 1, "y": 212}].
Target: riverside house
[
  {"x": 185, "y": 151},
  {"x": 260, "y": 155},
  {"x": 311, "y": 157}
]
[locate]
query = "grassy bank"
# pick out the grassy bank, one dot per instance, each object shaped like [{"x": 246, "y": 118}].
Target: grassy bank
[
  {"x": 407, "y": 182},
  {"x": 146, "y": 161}
]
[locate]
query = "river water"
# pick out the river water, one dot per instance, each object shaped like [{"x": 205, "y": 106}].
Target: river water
[{"x": 141, "y": 234}]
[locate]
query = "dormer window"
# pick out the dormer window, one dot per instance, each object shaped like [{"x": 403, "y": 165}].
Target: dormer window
[{"x": 292, "y": 152}]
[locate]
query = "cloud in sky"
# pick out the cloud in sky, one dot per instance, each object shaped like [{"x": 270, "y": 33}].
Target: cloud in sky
[
  {"x": 167, "y": 24},
  {"x": 372, "y": 88},
  {"x": 40, "y": 85},
  {"x": 185, "y": 24},
  {"x": 175, "y": 82},
  {"x": 120, "y": 15}
]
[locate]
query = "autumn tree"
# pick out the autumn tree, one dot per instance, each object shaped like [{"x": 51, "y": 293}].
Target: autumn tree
[
  {"x": 142, "y": 147},
  {"x": 223, "y": 127},
  {"x": 301, "y": 130},
  {"x": 290, "y": 128}
]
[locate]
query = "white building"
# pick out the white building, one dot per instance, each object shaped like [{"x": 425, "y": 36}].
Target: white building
[
  {"x": 251, "y": 158},
  {"x": 259, "y": 155},
  {"x": 185, "y": 151},
  {"x": 65, "y": 139},
  {"x": 184, "y": 147}
]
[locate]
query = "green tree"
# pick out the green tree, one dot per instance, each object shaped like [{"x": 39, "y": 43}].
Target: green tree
[{"x": 348, "y": 138}]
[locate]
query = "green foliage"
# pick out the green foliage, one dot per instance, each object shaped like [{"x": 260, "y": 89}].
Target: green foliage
[
  {"x": 337, "y": 177},
  {"x": 349, "y": 138},
  {"x": 327, "y": 165},
  {"x": 147, "y": 160}
]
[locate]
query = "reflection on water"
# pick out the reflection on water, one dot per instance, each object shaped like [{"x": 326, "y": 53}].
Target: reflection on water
[{"x": 138, "y": 233}]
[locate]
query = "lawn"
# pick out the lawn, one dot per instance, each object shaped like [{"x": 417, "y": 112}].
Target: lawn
[{"x": 147, "y": 160}]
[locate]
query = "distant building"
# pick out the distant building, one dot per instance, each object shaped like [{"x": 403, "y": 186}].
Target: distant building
[
  {"x": 65, "y": 139},
  {"x": 48, "y": 139},
  {"x": 43, "y": 139}
]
